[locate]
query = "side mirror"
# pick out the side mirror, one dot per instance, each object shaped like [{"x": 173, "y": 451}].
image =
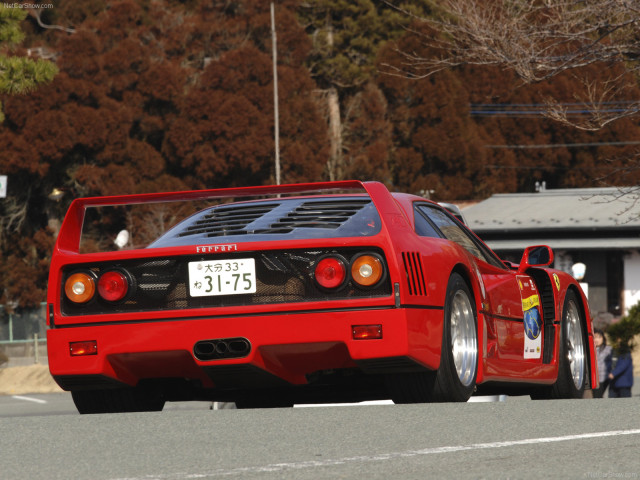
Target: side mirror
[{"x": 538, "y": 256}]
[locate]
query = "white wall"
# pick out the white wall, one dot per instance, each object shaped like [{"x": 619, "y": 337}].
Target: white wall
[{"x": 631, "y": 281}]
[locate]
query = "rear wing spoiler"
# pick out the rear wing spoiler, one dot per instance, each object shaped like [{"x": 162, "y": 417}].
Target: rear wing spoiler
[{"x": 69, "y": 236}]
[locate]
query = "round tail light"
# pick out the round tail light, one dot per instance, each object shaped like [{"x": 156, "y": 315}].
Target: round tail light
[
  {"x": 367, "y": 270},
  {"x": 113, "y": 285},
  {"x": 330, "y": 272},
  {"x": 80, "y": 287}
]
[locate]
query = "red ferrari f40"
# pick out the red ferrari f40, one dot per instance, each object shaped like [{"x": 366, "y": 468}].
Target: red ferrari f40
[{"x": 311, "y": 293}]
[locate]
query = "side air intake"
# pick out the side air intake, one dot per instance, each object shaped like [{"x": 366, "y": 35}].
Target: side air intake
[{"x": 415, "y": 274}]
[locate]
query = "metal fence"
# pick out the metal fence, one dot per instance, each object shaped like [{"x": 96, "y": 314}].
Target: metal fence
[
  {"x": 20, "y": 324},
  {"x": 23, "y": 334}
]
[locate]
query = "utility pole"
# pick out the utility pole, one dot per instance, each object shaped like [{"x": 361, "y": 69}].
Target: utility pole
[{"x": 275, "y": 93}]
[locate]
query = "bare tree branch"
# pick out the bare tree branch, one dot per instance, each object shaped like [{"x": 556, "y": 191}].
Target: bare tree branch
[
  {"x": 37, "y": 15},
  {"x": 596, "y": 106},
  {"x": 14, "y": 217},
  {"x": 539, "y": 40}
]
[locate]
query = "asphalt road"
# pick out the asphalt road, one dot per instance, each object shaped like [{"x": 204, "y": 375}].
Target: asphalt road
[{"x": 514, "y": 439}]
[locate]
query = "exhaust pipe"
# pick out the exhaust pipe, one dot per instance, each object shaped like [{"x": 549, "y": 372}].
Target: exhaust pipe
[{"x": 220, "y": 348}]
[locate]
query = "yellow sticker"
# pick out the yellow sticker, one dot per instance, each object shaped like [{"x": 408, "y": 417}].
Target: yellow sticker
[
  {"x": 557, "y": 280},
  {"x": 529, "y": 303}
]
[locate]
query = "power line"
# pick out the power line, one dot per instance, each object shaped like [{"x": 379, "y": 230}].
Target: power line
[
  {"x": 564, "y": 145},
  {"x": 548, "y": 167},
  {"x": 541, "y": 109}
]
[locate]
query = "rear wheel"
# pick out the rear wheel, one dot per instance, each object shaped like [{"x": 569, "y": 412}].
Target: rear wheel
[
  {"x": 117, "y": 400},
  {"x": 572, "y": 364},
  {"x": 455, "y": 379}
]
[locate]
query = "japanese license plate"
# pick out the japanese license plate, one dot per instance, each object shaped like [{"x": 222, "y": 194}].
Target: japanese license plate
[{"x": 222, "y": 277}]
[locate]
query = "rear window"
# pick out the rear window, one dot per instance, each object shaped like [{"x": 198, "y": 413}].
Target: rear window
[{"x": 279, "y": 219}]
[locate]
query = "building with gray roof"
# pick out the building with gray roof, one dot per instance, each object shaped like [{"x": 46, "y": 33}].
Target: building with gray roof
[{"x": 599, "y": 227}]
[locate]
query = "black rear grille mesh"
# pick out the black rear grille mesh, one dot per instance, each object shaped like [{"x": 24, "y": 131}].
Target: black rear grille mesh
[{"x": 281, "y": 277}]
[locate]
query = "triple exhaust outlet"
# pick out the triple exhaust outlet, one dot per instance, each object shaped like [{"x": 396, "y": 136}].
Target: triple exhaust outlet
[{"x": 222, "y": 348}]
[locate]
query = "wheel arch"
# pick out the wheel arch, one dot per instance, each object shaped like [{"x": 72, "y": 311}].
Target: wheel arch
[
  {"x": 472, "y": 282},
  {"x": 466, "y": 275},
  {"x": 587, "y": 323},
  {"x": 583, "y": 305}
]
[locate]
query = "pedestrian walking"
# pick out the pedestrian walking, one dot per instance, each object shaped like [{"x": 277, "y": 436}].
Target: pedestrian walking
[{"x": 604, "y": 353}]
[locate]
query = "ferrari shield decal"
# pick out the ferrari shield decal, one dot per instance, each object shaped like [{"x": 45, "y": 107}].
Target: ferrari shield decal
[
  {"x": 556, "y": 279},
  {"x": 532, "y": 319}
]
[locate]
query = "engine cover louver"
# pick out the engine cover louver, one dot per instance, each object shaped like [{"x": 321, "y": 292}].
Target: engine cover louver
[
  {"x": 238, "y": 220},
  {"x": 331, "y": 214},
  {"x": 276, "y": 219},
  {"x": 228, "y": 220}
]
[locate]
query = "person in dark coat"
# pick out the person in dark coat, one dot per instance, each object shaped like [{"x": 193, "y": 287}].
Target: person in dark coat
[{"x": 621, "y": 377}]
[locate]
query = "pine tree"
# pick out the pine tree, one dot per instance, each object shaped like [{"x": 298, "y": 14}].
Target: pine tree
[
  {"x": 19, "y": 75},
  {"x": 346, "y": 38}
]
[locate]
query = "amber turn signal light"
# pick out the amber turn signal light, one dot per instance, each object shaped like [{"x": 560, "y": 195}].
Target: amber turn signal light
[
  {"x": 80, "y": 287},
  {"x": 367, "y": 270}
]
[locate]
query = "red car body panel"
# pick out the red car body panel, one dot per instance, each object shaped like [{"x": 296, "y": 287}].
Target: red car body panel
[{"x": 290, "y": 342}]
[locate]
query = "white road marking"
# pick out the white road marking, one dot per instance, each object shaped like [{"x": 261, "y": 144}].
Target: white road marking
[
  {"x": 28, "y": 399},
  {"x": 279, "y": 467},
  {"x": 322, "y": 405}
]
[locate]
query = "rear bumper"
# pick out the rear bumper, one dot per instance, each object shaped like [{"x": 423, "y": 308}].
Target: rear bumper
[{"x": 284, "y": 348}]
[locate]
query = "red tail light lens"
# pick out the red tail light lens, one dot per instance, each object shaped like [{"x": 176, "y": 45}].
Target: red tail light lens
[
  {"x": 113, "y": 286},
  {"x": 80, "y": 287},
  {"x": 80, "y": 349},
  {"x": 367, "y": 270},
  {"x": 330, "y": 272},
  {"x": 366, "y": 332}
]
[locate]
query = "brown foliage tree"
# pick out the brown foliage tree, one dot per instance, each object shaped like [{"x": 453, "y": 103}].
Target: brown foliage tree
[
  {"x": 152, "y": 97},
  {"x": 519, "y": 145}
]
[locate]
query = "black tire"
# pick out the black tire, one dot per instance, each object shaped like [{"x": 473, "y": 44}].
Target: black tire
[
  {"x": 118, "y": 400},
  {"x": 455, "y": 379},
  {"x": 573, "y": 369}
]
